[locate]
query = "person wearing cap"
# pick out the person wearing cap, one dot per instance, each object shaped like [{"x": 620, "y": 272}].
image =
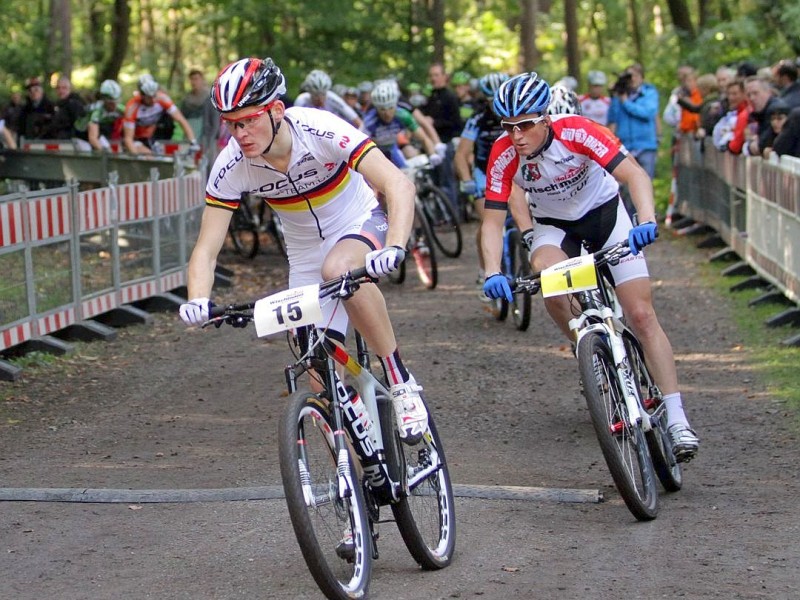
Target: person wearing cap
[
  {"x": 778, "y": 113},
  {"x": 142, "y": 114},
  {"x": 37, "y": 112},
  {"x": 595, "y": 103}
]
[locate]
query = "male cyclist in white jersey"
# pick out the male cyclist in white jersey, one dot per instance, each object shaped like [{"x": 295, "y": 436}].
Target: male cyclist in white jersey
[
  {"x": 570, "y": 169},
  {"x": 317, "y": 93},
  {"x": 320, "y": 174}
]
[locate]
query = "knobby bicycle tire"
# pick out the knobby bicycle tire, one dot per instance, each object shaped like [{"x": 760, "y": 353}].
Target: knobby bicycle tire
[
  {"x": 521, "y": 307},
  {"x": 421, "y": 248},
  {"x": 243, "y": 231},
  {"x": 319, "y": 517},
  {"x": 624, "y": 447},
  {"x": 425, "y": 515},
  {"x": 666, "y": 465},
  {"x": 443, "y": 219}
]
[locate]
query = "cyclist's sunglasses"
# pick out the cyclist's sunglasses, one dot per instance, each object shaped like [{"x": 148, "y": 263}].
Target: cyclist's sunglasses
[
  {"x": 246, "y": 121},
  {"x": 523, "y": 125}
]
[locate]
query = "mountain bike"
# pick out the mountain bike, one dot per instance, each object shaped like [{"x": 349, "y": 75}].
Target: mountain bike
[
  {"x": 437, "y": 207},
  {"x": 246, "y": 225},
  {"x": 341, "y": 456},
  {"x": 420, "y": 249},
  {"x": 514, "y": 263},
  {"x": 625, "y": 404}
]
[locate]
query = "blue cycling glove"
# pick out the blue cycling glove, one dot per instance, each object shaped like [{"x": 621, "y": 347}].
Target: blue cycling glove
[
  {"x": 641, "y": 236},
  {"x": 496, "y": 287}
]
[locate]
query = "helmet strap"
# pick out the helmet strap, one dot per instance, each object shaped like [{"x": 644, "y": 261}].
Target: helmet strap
[{"x": 275, "y": 128}]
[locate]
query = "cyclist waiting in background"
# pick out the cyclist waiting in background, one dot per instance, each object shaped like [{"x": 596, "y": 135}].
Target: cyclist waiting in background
[
  {"x": 142, "y": 113},
  {"x": 480, "y": 132},
  {"x": 388, "y": 125},
  {"x": 563, "y": 163},
  {"x": 105, "y": 119},
  {"x": 317, "y": 93},
  {"x": 320, "y": 174}
]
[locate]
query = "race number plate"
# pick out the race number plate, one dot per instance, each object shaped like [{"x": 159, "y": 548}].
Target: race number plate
[
  {"x": 572, "y": 275},
  {"x": 287, "y": 310}
]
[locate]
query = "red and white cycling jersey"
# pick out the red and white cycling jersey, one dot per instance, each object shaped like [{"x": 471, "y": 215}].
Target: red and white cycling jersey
[
  {"x": 320, "y": 194},
  {"x": 569, "y": 177},
  {"x": 142, "y": 118}
]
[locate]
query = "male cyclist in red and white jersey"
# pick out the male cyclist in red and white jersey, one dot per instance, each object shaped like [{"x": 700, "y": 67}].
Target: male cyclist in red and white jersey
[
  {"x": 570, "y": 169},
  {"x": 320, "y": 174},
  {"x": 142, "y": 113}
]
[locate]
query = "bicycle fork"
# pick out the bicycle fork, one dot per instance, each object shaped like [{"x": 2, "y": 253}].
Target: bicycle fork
[{"x": 630, "y": 392}]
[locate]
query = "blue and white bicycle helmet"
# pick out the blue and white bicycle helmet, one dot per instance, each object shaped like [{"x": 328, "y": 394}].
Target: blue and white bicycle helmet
[
  {"x": 523, "y": 94},
  {"x": 247, "y": 82},
  {"x": 490, "y": 82}
]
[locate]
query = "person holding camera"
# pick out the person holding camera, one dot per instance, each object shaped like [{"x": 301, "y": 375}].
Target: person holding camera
[{"x": 633, "y": 114}]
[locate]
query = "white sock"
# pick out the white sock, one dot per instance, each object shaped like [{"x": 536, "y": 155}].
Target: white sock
[{"x": 675, "y": 412}]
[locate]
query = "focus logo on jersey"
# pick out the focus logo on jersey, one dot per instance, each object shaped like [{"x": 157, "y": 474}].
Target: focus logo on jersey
[
  {"x": 227, "y": 167},
  {"x": 581, "y": 136},
  {"x": 328, "y": 135}
]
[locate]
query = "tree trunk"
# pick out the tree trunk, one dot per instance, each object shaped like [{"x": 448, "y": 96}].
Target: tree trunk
[
  {"x": 530, "y": 54},
  {"x": 573, "y": 51},
  {"x": 120, "y": 32},
  {"x": 437, "y": 25},
  {"x": 681, "y": 19},
  {"x": 636, "y": 32}
]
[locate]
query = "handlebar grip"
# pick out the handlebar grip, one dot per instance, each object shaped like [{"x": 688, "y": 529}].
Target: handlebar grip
[{"x": 216, "y": 311}]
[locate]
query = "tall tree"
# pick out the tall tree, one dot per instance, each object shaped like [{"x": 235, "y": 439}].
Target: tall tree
[
  {"x": 530, "y": 56},
  {"x": 119, "y": 41},
  {"x": 571, "y": 26},
  {"x": 437, "y": 25},
  {"x": 681, "y": 19}
]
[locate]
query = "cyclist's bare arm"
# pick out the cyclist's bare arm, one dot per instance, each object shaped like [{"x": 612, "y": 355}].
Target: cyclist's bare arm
[
  {"x": 427, "y": 142},
  {"x": 518, "y": 205},
  {"x": 213, "y": 229},
  {"x": 130, "y": 143},
  {"x": 629, "y": 172},
  {"x": 427, "y": 124},
  {"x": 461, "y": 160},
  {"x": 398, "y": 192},
  {"x": 188, "y": 132},
  {"x": 492, "y": 238}
]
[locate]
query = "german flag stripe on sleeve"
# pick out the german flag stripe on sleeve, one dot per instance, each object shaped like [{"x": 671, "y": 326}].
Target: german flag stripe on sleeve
[
  {"x": 226, "y": 204},
  {"x": 361, "y": 151}
]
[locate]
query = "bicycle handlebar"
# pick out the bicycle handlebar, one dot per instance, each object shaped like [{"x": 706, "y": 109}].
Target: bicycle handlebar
[{"x": 608, "y": 255}]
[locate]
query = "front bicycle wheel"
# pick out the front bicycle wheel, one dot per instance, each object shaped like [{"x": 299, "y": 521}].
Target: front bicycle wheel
[
  {"x": 422, "y": 250},
  {"x": 521, "y": 307},
  {"x": 425, "y": 514},
  {"x": 623, "y": 445},
  {"x": 443, "y": 220},
  {"x": 667, "y": 467},
  {"x": 332, "y": 528},
  {"x": 244, "y": 231}
]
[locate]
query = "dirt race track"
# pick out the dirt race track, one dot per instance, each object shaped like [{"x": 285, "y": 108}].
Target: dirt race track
[{"x": 167, "y": 408}]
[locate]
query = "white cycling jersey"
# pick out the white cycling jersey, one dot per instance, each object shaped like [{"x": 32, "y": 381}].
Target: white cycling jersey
[
  {"x": 319, "y": 195},
  {"x": 333, "y": 103},
  {"x": 569, "y": 177}
]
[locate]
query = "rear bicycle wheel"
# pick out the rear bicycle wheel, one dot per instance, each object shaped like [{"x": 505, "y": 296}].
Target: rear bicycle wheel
[
  {"x": 666, "y": 465},
  {"x": 425, "y": 514},
  {"x": 323, "y": 521},
  {"x": 624, "y": 447},
  {"x": 443, "y": 221},
  {"x": 243, "y": 231},
  {"x": 421, "y": 246},
  {"x": 521, "y": 307}
]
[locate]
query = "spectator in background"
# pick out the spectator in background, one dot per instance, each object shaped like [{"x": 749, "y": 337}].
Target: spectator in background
[
  {"x": 787, "y": 141},
  {"x": 785, "y": 77},
  {"x": 760, "y": 95},
  {"x": 725, "y": 75},
  {"x": 728, "y": 133},
  {"x": 13, "y": 110},
  {"x": 199, "y": 112},
  {"x": 632, "y": 116},
  {"x": 689, "y": 94},
  {"x": 595, "y": 103},
  {"x": 105, "y": 119},
  {"x": 142, "y": 114},
  {"x": 443, "y": 107},
  {"x": 37, "y": 112},
  {"x": 463, "y": 89},
  {"x": 778, "y": 112},
  {"x": 709, "y": 109},
  {"x": 69, "y": 109}
]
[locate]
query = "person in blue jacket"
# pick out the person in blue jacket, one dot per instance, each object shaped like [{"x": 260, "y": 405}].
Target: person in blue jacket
[{"x": 633, "y": 116}]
